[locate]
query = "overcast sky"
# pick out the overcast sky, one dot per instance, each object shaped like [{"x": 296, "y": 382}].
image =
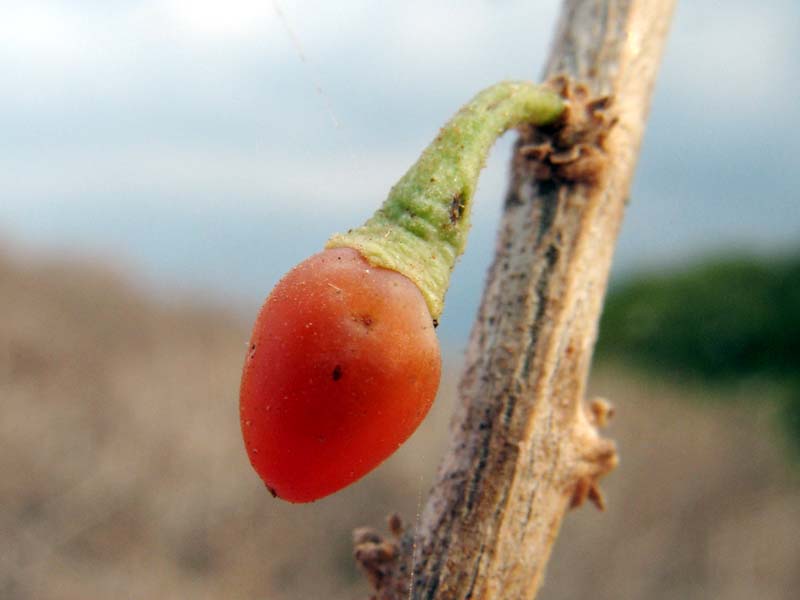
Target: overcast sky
[{"x": 212, "y": 144}]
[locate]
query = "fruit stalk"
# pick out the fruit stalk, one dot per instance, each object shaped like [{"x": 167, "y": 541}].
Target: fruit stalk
[{"x": 421, "y": 229}]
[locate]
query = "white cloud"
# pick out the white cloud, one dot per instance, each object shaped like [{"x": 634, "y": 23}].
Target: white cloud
[
  {"x": 263, "y": 182},
  {"x": 724, "y": 61},
  {"x": 40, "y": 32},
  {"x": 220, "y": 20}
]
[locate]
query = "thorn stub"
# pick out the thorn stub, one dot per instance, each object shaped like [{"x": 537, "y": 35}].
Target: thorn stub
[{"x": 602, "y": 411}]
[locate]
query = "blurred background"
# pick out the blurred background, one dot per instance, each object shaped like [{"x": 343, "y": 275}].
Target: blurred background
[{"x": 162, "y": 163}]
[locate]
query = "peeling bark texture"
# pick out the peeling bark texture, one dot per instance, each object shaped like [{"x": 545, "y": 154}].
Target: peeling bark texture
[{"x": 523, "y": 447}]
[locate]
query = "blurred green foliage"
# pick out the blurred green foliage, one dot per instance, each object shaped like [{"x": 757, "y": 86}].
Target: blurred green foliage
[{"x": 722, "y": 321}]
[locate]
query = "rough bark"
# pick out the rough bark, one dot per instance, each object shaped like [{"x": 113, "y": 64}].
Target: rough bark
[{"x": 523, "y": 446}]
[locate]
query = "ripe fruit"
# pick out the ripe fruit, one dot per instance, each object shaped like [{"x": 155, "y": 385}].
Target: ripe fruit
[
  {"x": 343, "y": 362},
  {"x": 343, "y": 366}
]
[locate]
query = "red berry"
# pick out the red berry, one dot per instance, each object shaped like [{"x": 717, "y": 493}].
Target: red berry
[{"x": 342, "y": 367}]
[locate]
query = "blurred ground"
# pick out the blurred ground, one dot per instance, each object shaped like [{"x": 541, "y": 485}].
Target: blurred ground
[{"x": 123, "y": 473}]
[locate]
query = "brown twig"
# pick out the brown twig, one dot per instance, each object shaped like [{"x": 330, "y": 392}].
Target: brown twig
[{"x": 523, "y": 448}]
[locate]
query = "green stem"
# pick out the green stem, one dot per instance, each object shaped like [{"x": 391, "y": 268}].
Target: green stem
[{"x": 421, "y": 229}]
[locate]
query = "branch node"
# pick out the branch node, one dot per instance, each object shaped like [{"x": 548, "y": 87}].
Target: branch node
[
  {"x": 595, "y": 456},
  {"x": 572, "y": 150},
  {"x": 385, "y": 560}
]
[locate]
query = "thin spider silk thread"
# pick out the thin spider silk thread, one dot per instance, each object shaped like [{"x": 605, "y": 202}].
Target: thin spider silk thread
[
  {"x": 414, "y": 542},
  {"x": 298, "y": 47},
  {"x": 316, "y": 83}
]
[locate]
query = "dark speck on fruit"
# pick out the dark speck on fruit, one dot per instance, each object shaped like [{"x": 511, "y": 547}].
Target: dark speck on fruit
[
  {"x": 337, "y": 373},
  {"x": 365, "y": 320}
]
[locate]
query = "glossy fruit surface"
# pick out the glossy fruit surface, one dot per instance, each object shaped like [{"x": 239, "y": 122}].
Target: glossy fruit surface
[{"x": 342, "y": 367}]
